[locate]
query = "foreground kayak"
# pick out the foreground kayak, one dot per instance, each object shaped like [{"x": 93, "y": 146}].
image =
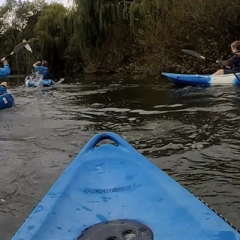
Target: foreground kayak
[
  {"x": 112, "y": 192},
  {"x": 203, "y": 80},
  {"x": 6, "y": 101}
]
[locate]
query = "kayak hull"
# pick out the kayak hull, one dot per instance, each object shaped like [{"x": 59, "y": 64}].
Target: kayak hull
[
  {"x": 203, "y": 80},
  {"x": 114, "y": 182},
  {"x": 34, "y": 81},
  {"x": 6, "y": 101},
  {"x": 44, "y": 83}
]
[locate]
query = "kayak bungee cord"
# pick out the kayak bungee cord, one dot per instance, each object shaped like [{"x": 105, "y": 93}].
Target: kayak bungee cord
[{"x": 220, "y": 215}]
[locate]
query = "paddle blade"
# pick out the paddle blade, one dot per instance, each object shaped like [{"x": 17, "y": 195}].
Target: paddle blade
[
  {"x": 27, "y": 46},
  {"x": 193, "y": 53},
  {"x": 60, "y": 81},
  {"x": 19, "y": 47}
]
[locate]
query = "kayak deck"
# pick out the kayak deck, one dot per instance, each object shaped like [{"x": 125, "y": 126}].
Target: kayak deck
[
  {"x": 44, "y": 83},
  {"x": 203, "y": 80},
  {"x": 114, "y": 182}
]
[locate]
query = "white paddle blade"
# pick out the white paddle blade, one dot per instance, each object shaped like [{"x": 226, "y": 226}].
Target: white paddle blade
[
  {"x": 60, "y": 81},
  {"x": 193, "y": 53},
  {"x": 19, "y": 47},
  {"x": 27, "y": 46}
]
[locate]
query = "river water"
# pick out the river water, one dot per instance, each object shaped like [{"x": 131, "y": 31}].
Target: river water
[{"x": 191, "y": 133}]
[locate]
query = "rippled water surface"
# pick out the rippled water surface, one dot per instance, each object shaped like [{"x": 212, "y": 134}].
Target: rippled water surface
[{"x": 191, "y": 133}]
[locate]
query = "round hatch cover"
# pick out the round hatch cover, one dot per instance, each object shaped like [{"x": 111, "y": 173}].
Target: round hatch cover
[{"x": 117, "y": 230}]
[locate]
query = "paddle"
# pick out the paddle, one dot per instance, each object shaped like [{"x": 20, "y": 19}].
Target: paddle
[
  {"x": 60, "y": 81},
  {"x": 195, "y": 54},
  {"x": 28, "y": 48},
  {"x": 17, "y": 49}
]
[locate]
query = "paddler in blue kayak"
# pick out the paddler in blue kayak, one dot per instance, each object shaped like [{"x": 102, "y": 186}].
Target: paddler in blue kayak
[
  {"x": 4, "y": 72},
  {"x": 232, "y": 63},
  {"x": 42, "y": 68}
]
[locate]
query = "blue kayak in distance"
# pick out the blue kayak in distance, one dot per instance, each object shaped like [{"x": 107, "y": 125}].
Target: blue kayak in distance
[
  {"x": 112, "y": 192},
  {"x": 43, "y": 82},
  {"x": 6, "y": 101},
  {"x": 203, "y": 80},
  {"x": 34, "y": 81}
]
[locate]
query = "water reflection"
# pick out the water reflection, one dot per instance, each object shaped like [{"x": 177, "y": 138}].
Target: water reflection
[{"x": 191, "y": 133}]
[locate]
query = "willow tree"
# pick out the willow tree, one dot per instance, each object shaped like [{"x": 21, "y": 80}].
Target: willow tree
[
  {"x": 94, "y": 19},
  {"x": 51, "y": 33},
  {"x": 17, "y": 20}
]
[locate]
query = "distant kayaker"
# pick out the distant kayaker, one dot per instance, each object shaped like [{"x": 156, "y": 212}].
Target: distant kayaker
[
  {"x": 4, "y": 72},
  {"x": 233, "y": 63},
  {"x": 3, "y": 88},
  {"x": 42, "y": 68}
]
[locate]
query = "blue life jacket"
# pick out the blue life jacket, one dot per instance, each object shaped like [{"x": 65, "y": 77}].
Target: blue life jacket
[
  {"x": 5, "y": 71},
  {"x": 3, "y": 90},
  {"x": 42, "y": 71},
  {"x": 234, "y": 61}
]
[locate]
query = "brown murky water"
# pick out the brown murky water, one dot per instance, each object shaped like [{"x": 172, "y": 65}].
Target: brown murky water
[{"x": 191, "y": 133}]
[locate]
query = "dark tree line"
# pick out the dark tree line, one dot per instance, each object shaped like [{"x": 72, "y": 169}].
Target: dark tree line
[{"x": 119, "y": 36}]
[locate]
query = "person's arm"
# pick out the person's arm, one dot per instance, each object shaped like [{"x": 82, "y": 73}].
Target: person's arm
[
  {"x": 36, "y": 64},
  {"x": 234, "y": 60},
  {"x": 230, "y": 62},
  {"x": 5, "y": 71}
]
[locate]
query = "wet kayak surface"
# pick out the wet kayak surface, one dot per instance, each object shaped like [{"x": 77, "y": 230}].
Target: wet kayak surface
[{"x": 191, "y": 133}]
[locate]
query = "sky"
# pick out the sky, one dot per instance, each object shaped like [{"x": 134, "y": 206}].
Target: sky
[{"x": 64, "y": 2}]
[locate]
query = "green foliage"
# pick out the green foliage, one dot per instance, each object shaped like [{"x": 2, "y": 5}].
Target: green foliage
[
  {"x": 94, "y": 19},
  {"x": 17, "y": 20},
  {"x": 51, "y": 33},
  {"x": 126, "y": 34}
]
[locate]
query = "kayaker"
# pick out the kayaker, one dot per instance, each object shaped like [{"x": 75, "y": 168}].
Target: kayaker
[
  {"x": 4, "y": 72},
  {"x": 3, "y": 88},
  {"x": 232, "y": 63},
  {"x": 42, "y": 68}
]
